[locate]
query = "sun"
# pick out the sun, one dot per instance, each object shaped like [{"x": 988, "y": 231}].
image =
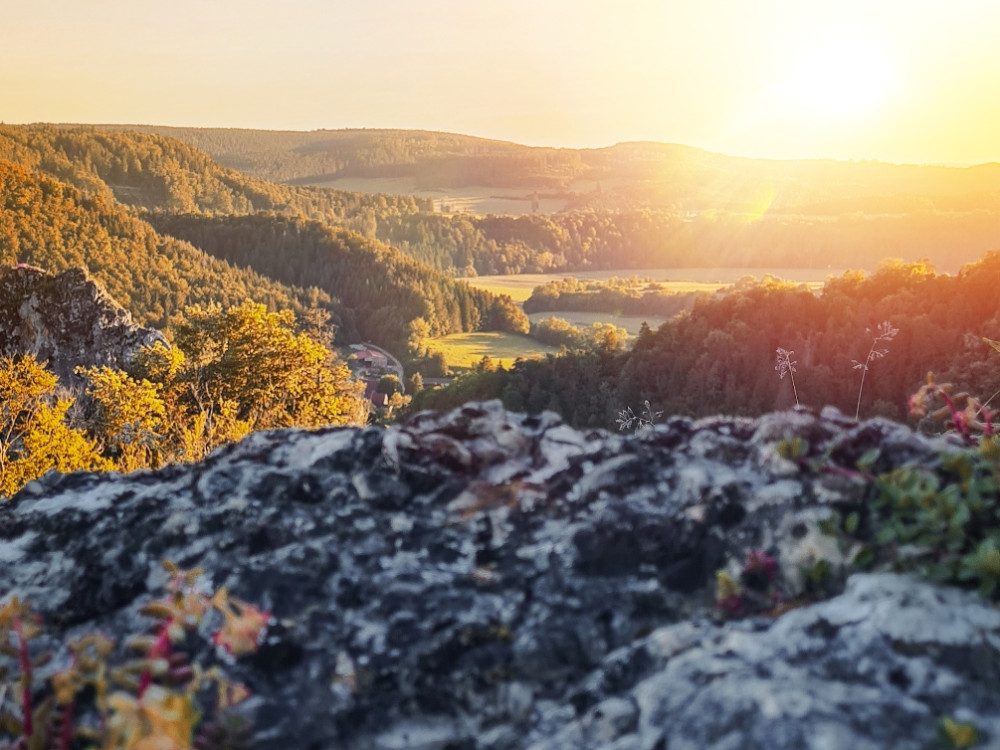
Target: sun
[{"x": 843, "y": 77}]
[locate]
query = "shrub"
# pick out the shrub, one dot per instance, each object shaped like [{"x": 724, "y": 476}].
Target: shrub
[{"x": 156, "y": 704}]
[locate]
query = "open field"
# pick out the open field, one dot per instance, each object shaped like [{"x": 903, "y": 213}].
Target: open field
[
  {"x": 708, "y": 280},
  {"x": 630, "y": 323},
  {"x": 463, "y": 350}
]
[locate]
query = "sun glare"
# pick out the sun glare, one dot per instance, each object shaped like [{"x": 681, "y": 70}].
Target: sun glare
[{"x": 844, "y": 77}]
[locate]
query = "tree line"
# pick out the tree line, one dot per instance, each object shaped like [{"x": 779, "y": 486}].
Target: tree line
[
  {"x": 721, "y": 357},
  {"x": 620, "y": 296}
]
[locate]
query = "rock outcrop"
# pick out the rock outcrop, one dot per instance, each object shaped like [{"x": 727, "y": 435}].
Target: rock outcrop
[
  {"x": 480, "y": 579},
  {"x": 66, "y": 319}
]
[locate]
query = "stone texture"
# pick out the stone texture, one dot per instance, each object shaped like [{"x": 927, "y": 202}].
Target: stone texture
[
  {"x": 480, "y": 579},
  {"x": 67, "y": 320}
]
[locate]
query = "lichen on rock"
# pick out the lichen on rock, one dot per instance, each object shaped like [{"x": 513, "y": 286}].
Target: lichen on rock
[{"x": 482, "y": 579}]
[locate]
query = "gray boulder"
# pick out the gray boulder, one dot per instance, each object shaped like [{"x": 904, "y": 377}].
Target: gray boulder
[
  {"x": 66, "y": 319},
  {"x": 480, "y": 579}
]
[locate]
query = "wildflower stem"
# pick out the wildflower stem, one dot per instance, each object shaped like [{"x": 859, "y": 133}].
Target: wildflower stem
[
  {"x": 864, "y": 371},
  {"x": 786, "y": 366},
  {"x": 886, "y": 332}
]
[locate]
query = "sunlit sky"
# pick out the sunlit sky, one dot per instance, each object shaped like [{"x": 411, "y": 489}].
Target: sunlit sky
[{"x": 894, "y": 80}]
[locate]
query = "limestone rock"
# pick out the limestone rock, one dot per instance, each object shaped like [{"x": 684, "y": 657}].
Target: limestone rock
[
  {"x": 480, "y": 579},
  {"x": 66, "y": 319}
]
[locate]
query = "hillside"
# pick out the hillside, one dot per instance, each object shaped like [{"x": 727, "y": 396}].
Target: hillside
[
  {"x": 717, "y": 210},
  {"x": 152, "y": 173},
  {"x": 633, "y": 205},
  {"x": 651, "y": 174},
  {"x": 841, "y": 227},
  {"x": 52, "y": 225},
  {"x": 382, "y": 292}
]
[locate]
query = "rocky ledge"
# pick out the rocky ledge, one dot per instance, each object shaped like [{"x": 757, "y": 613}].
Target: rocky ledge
[
  {"x": 480, "y": 579},
  {"x": 66, "y": 319}
]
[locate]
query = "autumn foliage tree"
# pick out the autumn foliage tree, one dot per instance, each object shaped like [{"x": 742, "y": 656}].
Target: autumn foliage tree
[
  {"x": 131, "y": 417},
  {"x": 230, "y": 372},
  {"x": 254, "y": 359},
  {"x": 34, "y": 434}
]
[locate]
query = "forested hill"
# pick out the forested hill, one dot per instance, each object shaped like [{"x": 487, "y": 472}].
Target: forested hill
[
  {"x": 634, "y": 205},
  {"x": 629, "y": 174},
  {"x": 384, "y": 294},
  {"x": 721, "y": 358},
  {"x": 157, "y": 173},
  {"x": 430, "y": 159},
  {"x": 385, "y": 289},
  {"x": 49, "y": 224},
  {"x": 670, "y": 206}
]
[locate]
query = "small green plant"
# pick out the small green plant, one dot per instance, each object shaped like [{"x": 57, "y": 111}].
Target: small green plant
[
  {"x": 755, "y": 591},
  {"x": 155, "y": 705},
  {"x": 960, "y": 412},
  {"x": 957, "y": 735},
  {"x": 885, "y": 333},
  {"x": 941, "y": 521}
]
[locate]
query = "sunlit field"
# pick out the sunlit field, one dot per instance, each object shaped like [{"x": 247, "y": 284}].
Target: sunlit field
[
  {"x": 631, "y": 323},
  {"x": 679, "y": 280},
  {"x": 463, "y": 350}
]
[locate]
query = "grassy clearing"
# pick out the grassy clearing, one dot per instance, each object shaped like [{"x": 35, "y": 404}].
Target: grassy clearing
[
  {"x": 631, "y": 323},
  {"x": 708, "y": 280},
  {"x": 463, "y": 350}
]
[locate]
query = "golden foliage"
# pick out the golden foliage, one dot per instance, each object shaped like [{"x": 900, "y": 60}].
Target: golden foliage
[
  {"x": 231, "y": 372},
  {"x": 131, "y": 417},
  {"x": 34, "y": 436}
]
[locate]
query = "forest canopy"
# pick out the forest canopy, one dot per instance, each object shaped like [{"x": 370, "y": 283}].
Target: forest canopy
[{"x": 720, "y": 358}]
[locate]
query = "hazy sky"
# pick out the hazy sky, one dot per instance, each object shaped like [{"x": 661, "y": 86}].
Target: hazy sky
[{"x": 895, "y": 80}]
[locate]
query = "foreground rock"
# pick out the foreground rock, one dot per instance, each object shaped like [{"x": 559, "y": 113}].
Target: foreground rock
[
  {"x": 486, "y": 580},
  {"x": 66, "y": 319}
]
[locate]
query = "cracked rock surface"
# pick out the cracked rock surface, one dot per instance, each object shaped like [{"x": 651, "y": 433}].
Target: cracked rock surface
[
  {"x": 66, "y": 319},
  {"x": 481, "y": 579}
]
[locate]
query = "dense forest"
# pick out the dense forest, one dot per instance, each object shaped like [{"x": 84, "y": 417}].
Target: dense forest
[
  {"x": 55, "y": 226},
  {"x": 592, "y": 239},
  {"x": 661, "y": 206},
  {"x": 383, "y": 295},
  {"x": 721, "y": 357},
  {"x": 157, "y": 173},
  {"x": 52, "y": 225}
]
